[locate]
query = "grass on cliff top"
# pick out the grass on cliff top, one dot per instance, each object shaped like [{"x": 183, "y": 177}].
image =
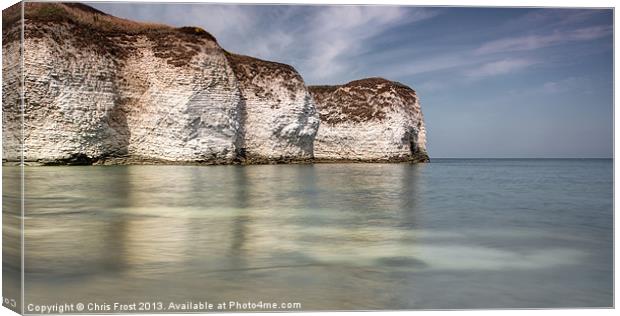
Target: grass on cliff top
[
  {"x": 89, "y": 17},
  {"x": 247, "y": 68},
  {"x": 238, "y": 59},
  {"x": 372, "y": 82}
]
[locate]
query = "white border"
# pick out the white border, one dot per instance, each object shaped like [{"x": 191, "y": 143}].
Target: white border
[{"x": 497, "y": 3}]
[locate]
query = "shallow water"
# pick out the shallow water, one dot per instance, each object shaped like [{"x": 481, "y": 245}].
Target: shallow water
[{"x": 446, "y": 235}]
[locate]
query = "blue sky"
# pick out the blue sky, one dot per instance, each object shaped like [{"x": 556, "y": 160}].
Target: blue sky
[{"x": 493, "y": 82}]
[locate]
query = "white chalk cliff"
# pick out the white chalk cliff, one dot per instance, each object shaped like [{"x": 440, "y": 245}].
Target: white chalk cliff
[
  {"x": 278, "y": 118},
  {"x": 369, "y": 120},
  {"x": 100, "y": 89}
]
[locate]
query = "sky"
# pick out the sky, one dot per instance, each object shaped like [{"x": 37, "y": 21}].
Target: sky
[{"x": 493, "y": 82}]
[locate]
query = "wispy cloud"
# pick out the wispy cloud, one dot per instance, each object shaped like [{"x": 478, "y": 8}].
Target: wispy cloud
[
  {"x": 531, "y": 42},
  {"x": 575, "y": 85},
  {"x": 581, "y": 84},
  {"x": 499, "y": 67},
  {"x": 338, "y": 33},
  {"x": 470, "y": 71},
  {"x": 552, "y": 18},
  {"x": 421, "y": 66}
]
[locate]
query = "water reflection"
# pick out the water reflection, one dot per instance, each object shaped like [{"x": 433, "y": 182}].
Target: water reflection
[{"x": 360, "y": 236}]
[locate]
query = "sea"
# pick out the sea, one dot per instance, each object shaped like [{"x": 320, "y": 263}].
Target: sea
[{"x": 449, "y": 234}]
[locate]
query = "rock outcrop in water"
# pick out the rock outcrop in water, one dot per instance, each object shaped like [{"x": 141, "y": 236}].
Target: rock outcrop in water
[
  {"x": 369, "y": 120},
  {"x": 101, "y": 89}
]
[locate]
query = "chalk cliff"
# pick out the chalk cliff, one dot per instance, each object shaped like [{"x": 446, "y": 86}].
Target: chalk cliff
[
  {"x": 101, "y": 89},
  {"x": 278, "y": 118},
  {"x": 11, "y": 84},
  {"x": 369, "y": 120}
]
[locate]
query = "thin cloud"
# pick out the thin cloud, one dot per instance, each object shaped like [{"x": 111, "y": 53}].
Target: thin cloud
[
  {"x": 427, "y": 65},
  {"x": 337, "y": 33},
  {"x": 499, "y": 67},
  {"x": 556, "y": 88},
  {"x": 581, "y": 84},
  {"x": 552, "y": 18},
  {"x": 532, "y": 42}
]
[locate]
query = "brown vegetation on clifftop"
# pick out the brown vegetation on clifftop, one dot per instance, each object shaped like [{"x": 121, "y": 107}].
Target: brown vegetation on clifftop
[
  {"x": 360, "y": 100},
  {"x": 247, "y": 69},
  {"x": 105, "y": 33}
]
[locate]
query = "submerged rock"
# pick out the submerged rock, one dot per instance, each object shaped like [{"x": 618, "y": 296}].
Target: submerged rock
[{"x": 371, "y": 119}]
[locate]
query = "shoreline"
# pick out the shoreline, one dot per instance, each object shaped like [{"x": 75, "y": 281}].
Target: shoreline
[{"x": 127, "y": 161}]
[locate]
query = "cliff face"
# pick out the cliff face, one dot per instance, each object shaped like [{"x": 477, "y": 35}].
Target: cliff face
[
  {"x": 181, "y": 108},
  {"x": 11, "y": 83},
  {"x": 100, "y": 89},
  {"x": 279, "y": 119},
  {"x": 369, "y": 120}
]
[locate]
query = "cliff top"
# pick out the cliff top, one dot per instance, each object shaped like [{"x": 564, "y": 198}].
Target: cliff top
[
  {"x": 256, "y": 62},
  {"x": 89, "y": 18},
  {"x": 372, "y": 83},
  {"x": 89, "y": 28},
  {"x": 260, "y": 74},
  {"x": 362, "y": 100}
]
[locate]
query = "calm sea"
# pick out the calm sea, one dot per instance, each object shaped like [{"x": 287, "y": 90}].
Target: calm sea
[{"x": 450, "y": 234}]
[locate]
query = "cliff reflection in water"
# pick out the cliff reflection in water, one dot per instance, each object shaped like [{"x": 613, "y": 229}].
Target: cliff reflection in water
[{"x": 358, "y": 236}]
